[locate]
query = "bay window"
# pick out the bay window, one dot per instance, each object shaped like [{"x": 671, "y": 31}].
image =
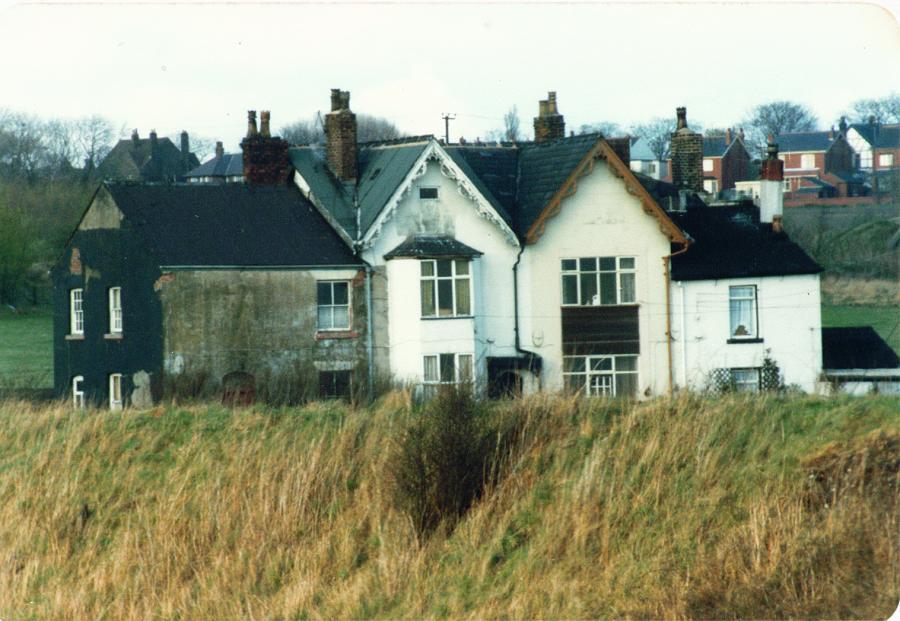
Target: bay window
[
  {"x": 598, "y": 281},
  {"x": 446, "y": 287}
]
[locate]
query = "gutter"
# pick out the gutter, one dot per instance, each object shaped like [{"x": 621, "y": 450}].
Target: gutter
[{"x": 667, "y": 272}]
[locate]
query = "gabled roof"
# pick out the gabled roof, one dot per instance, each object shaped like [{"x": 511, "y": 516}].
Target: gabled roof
[
  {"x": 714, "y": 146},
  {"x": 230, "y": 225},
  {"x": 432, "y": 247},
  {"x": 856, "y": 348},
  {"x": 878, "y": 135},
  {"x": 134, "y": 160},
  {"x": 229, "y": 165},
  {"x": 805, "y": 142},
  {"x": 641, "y": 151}
]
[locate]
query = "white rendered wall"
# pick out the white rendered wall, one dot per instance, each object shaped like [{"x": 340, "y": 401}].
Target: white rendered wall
[
  {"x": 600, "y": 219},
  {"x": 790, "y": 327},
  {"x": 861, "y": 146},
  {"x": 490, "y": 331}
]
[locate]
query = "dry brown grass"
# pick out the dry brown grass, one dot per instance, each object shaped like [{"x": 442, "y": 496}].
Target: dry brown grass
[{"x": 687, "y": 509}]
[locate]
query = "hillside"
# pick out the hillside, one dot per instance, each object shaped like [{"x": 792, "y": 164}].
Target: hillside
[{"x": 772, "y": 507}]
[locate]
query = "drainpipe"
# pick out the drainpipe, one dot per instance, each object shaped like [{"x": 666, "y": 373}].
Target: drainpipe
[
  {"x": 683, "y": 335},
  {"x": 370, "y": 361},
  {"x": 667, "y": 271},
  {"x": 529, "y": 354}
]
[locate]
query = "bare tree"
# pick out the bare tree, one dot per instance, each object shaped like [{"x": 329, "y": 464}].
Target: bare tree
[
  {"x": 778, "y": 117},
  {"x": 607, "y": 128},
  {"x": 512, "y": 125},
  {"x": 303, "y": 132},
  {"x": 95, "y": 135},
  {"x": 884, "y": 109},
  {"x": 368, "y": 129},
  {"x": 204, "y": 148},
  {"x": 657, "y": 133},
  {"x": 22, "y": 146}
]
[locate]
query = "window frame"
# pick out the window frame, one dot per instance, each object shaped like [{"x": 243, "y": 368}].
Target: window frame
[
  {"x": 435, "y": 279},
  {"x": 885, "y": 160},
  {"x": 805, "y": 159},
  {"x": 116, "y": 322},
  {"x": 437, "y": 193},
  {"x": 590, "y": 374},
  {"x": 77, "y": 392},
  {"x": 76, "y": 311},
  {"x": 115, "y": 390},
  {"x": 708, "y": 164},
  {"x": 752, "y": 335},
  {"x": 332, "y": 306},
  {"x": 431, "y": 385},
  {"x": 619, "y": 271},
  {"x": 753, "y": 386}
]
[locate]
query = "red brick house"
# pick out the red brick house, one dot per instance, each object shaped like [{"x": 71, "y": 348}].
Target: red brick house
[
  {"x": 813, "y": 155},
  {"x": 725, "y": 160}
]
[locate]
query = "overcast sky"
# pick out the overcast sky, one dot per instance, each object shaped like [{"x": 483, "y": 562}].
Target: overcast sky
[{"x": 201, "y": 67}]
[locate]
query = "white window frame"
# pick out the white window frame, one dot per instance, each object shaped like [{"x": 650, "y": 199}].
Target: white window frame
[
  {"x": 750, "y": 382},
  {"x": 600, "y": 382},
  {"x": 787, "y": 185},
  {"x": 620, "y": 270},
  {"x": 76, "y": 311},
  {"x": 885, "y": 160},
  {"x": 437, "y": 193},
  {"x": 805, "y": 161},
  {"x": 115, "y": 391},
  {"x": 77, "y": 392},
  {"x": 431, "y": 377},
  {"x": 734, "y": 297},
  {"x": 708, "y": 165},
  {"x": 330, "y": 308},
  {"x": 115, "y": 310},
  {"x": 455, "y": 277}
]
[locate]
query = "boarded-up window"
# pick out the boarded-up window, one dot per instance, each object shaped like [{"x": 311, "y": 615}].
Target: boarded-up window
[
  {"x": 600, "y": 330},
  {"x": 334, "y": 384}
]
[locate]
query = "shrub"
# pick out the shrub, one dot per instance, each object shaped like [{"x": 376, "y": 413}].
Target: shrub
[{"x": 442, "y": 461}]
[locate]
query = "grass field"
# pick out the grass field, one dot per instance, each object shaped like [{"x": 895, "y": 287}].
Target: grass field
[
  {"x": 26, "y": 348},
  {"x": 697, "y": 508},
  {"x": 885, "y": 320}
]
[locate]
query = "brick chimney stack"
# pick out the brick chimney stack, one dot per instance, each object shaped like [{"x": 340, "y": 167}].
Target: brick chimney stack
[
  {"x": 266, "y": 160},
  {"x": 185, "y": 144},
  {"x": 220, "y": 150},
  {"x": 687, "y": 155},
  {"x": 728, "y": 136},
  {"x": 771, "y": 187},
  {"x": 340, "y": 136},
  {"x": 549, "y": 124},
  {"x": 135, "y": 139}
]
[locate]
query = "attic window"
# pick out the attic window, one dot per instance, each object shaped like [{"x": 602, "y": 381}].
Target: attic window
[
  {"x": 428, "y": 193},
  {"x": 374, "y": 174}
]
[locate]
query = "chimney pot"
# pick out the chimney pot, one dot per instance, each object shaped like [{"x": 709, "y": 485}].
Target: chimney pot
[
  {"x": 681, "y": 116},
  {"x": 153, "y": 136},
  {"x": 687, "y": 155},
  {"x": 135, "y": 139},
  {"x": 264, "y": 117},
  {"x": 727, "y": 136},
  {"x": 549, "y": 124},
  {"x": 871, "y": 119},
  {"x": 251, "y": 124}
]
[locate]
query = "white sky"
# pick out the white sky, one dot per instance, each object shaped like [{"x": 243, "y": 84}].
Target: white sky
[{"x": 201, "y": 67}]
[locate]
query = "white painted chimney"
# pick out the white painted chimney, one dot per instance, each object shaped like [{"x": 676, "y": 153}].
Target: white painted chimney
[{"x": 771, "y": 187}]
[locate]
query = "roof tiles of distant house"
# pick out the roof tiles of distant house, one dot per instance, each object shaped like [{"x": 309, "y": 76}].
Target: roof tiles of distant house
[
  {"x": 856, "y": 348},
  {"x": 230, "y": 225},
  {"x": 229, "y": 165},
  {"x": 878, "y": 135},
  {"x": 714, "y": 146},
  {"x": 804, "y": 142}
]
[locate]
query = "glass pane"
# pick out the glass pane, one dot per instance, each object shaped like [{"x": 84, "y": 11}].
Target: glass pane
[
  {"x": 573, "y": 364},
  {"x": 427, "y": 298},
  {"x": 569, "y": 265},
  {"x": 574, "y": 383},
  {"x": 325, "y": 318},
  {"x": 741, "y": 292},
  {"x": 465, "y": 368},
  {"x": 341, "y": 317},
  {"x": 443, "y": 267},
  {"x": 627, "y": 293},
  {"x": 431, "y": 369},
  {"x": 462, "y": 267},
  {"x": 626, "y": 363},
  {"x": 607, "y": 287},
  {"x": 600, "y": 385},
  {"x": 445, "y": 297},
  {"x": 626, "y": 263},
  {"x": 463, "y": 303},
  {"x": 447, "y": 368},
  {"x": 588, "y": 289},
  {"x": 626, "y": 385},
  {"x": 607, "y": 264},
  {"x": 742, "y": 318},
  {"x": 601, "y": 364},
  {"x": 340, "y": 293},
  {"x": 587, "y": 265},
  {"x": 570, "y": 289},
  {"x": 323, "y": 293},
  {"x": 427, "y": 268}
]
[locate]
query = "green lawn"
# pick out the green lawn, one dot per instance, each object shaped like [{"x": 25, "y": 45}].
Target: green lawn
[
  {"x": 884, "y": 319},
  {"x": 26, "y": 348}
]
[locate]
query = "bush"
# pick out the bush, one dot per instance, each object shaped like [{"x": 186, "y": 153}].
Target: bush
[{"x": 442, "y": 461}]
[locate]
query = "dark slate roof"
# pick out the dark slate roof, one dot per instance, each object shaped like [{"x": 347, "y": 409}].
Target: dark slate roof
[
  {"x": 543, "y": 168},
  {"x": 229, "y": 165},
  {"x": 426, "y": 246},
  {"x": 230, "y": 224},
  {"x": 727, "y": 241},
  {"x": 714, "y": 146},
  {"x": 856, "y": 348},
  {"x": 880, "y": 136},
  {"x": 804, "y": 142},
  {"x": 135, "y": 162},
  {"x": 493, "y": 170}
]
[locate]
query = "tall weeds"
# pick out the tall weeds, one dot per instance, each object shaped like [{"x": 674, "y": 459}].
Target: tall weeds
[{"x": 690, "y": 508}]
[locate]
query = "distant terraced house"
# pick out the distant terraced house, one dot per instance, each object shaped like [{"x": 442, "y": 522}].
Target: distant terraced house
[{"x": 546, "y": 265}]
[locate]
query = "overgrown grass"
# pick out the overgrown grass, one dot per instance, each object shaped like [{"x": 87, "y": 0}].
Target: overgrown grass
[
  {"x": 26, "y": 348},
  {"x": 694, "y": 508}
]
